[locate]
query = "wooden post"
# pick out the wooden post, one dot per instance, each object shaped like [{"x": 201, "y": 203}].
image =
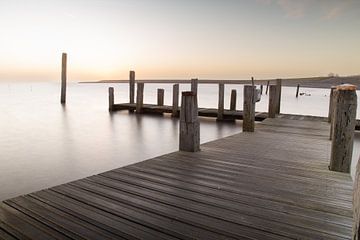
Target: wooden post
[
  {"x": 333, "y": 107},
  {"x": 111, "y": 98},
  {"x": 189, "y": 123},
  {"x": 297, "y": 90},
  {"x": 261, "y": 89},
  {"x": 331, "y": 103},
  {"x": 139, "y": 97},
  {"x": 132, "y": 87},
  {"x": 267, "y": 87},
  {"x": 194, "y": 85},
  {"x": 344, "y": 127},
  {"x": 356, "y": 204},
  {"x": 278, "y": 95},
  {"x": 160, "y": 97},
  {"x": 272, "y": 101},
  {"x": 233, "y": 100},
  {"x": 175, "y": 106},
  {"x": 63, "y": 78},
  {"x": 249, "y": 109},
  {"x": 220, "y": 115}
]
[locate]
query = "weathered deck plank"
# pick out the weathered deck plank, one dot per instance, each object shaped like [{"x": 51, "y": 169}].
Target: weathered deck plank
[{"x": 271, "y": 184}]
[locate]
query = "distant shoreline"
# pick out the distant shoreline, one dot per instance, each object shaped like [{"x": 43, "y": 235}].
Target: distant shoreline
[{"x": 313, "y": 82}]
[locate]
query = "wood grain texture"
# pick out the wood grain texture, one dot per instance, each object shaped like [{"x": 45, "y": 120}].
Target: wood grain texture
[{"x": 249, "y": 108}]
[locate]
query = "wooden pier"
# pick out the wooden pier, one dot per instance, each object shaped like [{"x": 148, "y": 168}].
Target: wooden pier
[{"x": 270, "y": 184}]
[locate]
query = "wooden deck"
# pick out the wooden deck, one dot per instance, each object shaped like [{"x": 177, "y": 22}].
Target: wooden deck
[{"x": 271, "y": 184}]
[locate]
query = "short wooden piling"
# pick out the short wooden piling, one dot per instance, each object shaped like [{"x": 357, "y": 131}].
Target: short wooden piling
[
  {"x": 297, "y": 90},
  {"x": 139, "y": 97},
  {"x": 189, "y": 139},
  {"x": 160, "y": 97},
  {"x": 220, "y": 115},
  {"x": 111, "y": 98},
  {"x": 249, "y": 109},
  {"x": 278, "y": 95},
  {"x": 267, "y": 87},
  {"x": 132, "y": 87},
  {"x": 63, "y": 78},
  {"x": 194, "y": 85},
  {"x": 175, "y": 102},
  {"x": 272, "y": 101},
  {"x": 344, "y": 120},
  {"x": 233, "y": 100}
]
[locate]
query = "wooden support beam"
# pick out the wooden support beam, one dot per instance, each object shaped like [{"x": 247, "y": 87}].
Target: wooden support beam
[
  {"x": 267, "y": 87},
  {"x": 278, "y": 95},
  {"x": 63, "y": 78},
  {"x": 272, "y": 101},
  {"x": 249, "y": 109},
  {"x": 220, "y": 115},
  {"x": 111, "y": 98},
  {"x": 160, "y": 97},
  {"x": 132, "y": 87},
  {"x": 297, "y": 90},
  {"x": 175, "y": 103},
  {"x": 233, "y": 100},
  {"x": 189, "y": 123},
  {"x": 194, "y": 85},
  {"x": 344, "y": 120},
  {"x": 139, "y": 97}
]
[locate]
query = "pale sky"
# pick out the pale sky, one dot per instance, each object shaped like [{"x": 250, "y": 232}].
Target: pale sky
[{"x": 219, "y": 39}]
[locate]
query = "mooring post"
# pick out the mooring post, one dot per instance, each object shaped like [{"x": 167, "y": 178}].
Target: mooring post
[
  {"x": 333, "y": 109},
  {"x": 139, "y": 97},
  {"x": 233, "y": 100},
  {"x": 249, "y": 109},
  {"x": 344, "y": 120},
  {"x": 111, "y": 98},
  {"x": 63, "y": 78},
  {"x": 160, "y": 97},
  {"x": 356, "y": 204},
  {"x": 261, "y": 89},
  {"x": 297, "y": 90},
  {"x": 194, "y": 85},
  {"x": 220, "y": 115},
  {"x": 331, "y": 103},
  {"x": 272, "y": 101},
  {"x": 189, "y": 123},
  {"x": 175, "y": 103},
  {"x": 267, "y": 87},
  {"x": 132, "y": 87},
  {"x": 278, "y": 95}
]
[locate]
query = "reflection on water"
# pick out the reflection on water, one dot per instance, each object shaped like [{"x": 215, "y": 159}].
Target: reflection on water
[{"x": 44, "y": 144}]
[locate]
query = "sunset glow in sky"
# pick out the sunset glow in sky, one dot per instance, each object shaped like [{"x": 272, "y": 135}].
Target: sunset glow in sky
[{"x": 220, "y": 39}]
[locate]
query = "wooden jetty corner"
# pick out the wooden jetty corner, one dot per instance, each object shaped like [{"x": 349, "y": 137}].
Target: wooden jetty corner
[{"x": 270, "y": 183}]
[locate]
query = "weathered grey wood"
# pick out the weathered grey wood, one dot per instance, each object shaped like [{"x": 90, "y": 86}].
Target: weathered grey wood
[
  {"x": 257, "y": 96},
  {"x": 267, "y": 87},
  {"x": 63, "y": 78},
  {"x": 278, "y": 95},
  {"x": 189, "y": 123},
  {"x": 233, "y": 100},
  {"x": 356, "y": 204},
  {"x": 343, "y": 129},
  {"x": 194, "y": 85},
  {"x": 132, "y": 87},
  {"x": 111, "y": 98},
  {"x": 221, "y": 102},
  {"x": 160, "y": 97},
  {"x": 249, "y": 108},
  {"x": 331, "y": 103},
  {"x": 175, "y": 103},
  {"x": 139, "y": 97},
  {"x": 272, "y": 101},
  {"x": 297, "y": 90}
]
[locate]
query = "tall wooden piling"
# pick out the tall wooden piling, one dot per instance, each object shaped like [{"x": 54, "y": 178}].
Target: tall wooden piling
[
  {"x": 160, "y": 97},
  {"x": 267, "y": 87},
  {"x": 297, "y": 91},
  {"x": 233, "y": 100},
  {"x": 344, "y": 120},
  {"x": 272, "y": 101},
  {"x": 249, "y": 109},
  {"x": 132, "y": 87},
  {"x": 175, "y": 102},
  {"x": 63, "y": 78},
  {"x": 189, "y": 139},
  {"x": 194, "y": 85},
  {"x": 139, "y": 97},
  {"x": 278, "y": 95},
  {"x": 111, "y": 98},
  {"x": 220, "y": 115}
]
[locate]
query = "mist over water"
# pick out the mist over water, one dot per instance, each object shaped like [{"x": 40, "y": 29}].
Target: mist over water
[{"x": 44, "y": 144}]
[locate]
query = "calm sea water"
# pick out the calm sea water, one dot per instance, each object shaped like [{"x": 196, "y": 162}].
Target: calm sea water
[{"x": 43, "y": 144}]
